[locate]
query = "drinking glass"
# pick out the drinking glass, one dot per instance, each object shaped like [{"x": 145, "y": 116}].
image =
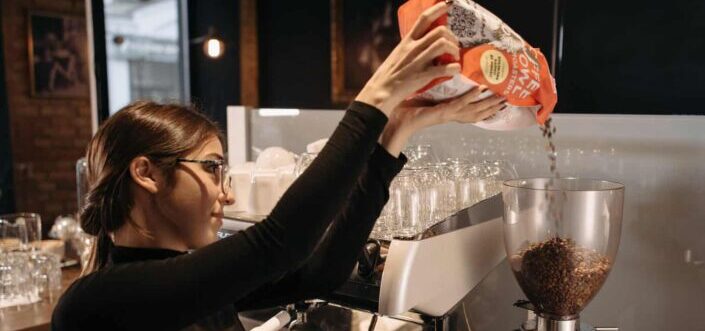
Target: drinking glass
[
  {"x": 15, "y": 280},
  {"x": 406, "y": 196},
  {"x": 46, "y": 275},
  {"x": 458, "y": 175},
  {"x": 13, "y": 236},
  {"x": 303, "y": 161},
  {"x": 420, "y": 156},
  {"x": 432, "y": 182},
  {"x": 489, "y": 176},
  {"x": 32, "y": 224},
  {"x": 500, "y": 169}
]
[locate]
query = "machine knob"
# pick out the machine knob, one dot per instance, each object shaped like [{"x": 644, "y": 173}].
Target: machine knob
[{"x": 369, "y": 258}]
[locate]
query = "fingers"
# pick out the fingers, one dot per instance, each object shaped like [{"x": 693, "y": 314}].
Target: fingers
[
  {"x": 423, "y": 23},
  {"x": 425, "y": 59},
  {"x": 463, "y": 100},
  {"x": 488, "y": 102},
  {"x": 489, "y": 112},
  {"x": 474, "y": 117},
  {"x": 471, "y": 95},
  {"x": 427, "y": 41},
  {"x": 469, "y": 100},
  {"x": 465, "y": 109},
  {"x": 438, "y": 48},
  {"x": 439, "y": 32},
  {"x": 473, "y": 114},
  {"x": 438, "y": 71}
]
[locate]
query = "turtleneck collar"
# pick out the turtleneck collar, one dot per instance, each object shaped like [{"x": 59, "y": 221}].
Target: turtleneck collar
[{"x": 122, "y": 254}]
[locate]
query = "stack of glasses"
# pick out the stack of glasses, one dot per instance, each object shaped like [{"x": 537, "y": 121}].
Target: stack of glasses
[
  {"x": 27, "y": 275},
  {"x": 427, "y": 191}
]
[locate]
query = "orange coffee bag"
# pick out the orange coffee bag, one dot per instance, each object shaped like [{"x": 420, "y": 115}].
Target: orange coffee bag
[{"x": 492, "y": 54}]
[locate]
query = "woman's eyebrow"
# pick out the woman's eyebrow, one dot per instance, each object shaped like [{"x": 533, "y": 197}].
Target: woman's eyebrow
[{"x": 215, "y": 155}]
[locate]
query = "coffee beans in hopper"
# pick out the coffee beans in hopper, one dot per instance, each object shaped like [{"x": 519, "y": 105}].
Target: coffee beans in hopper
[{"x": 559, "y": 277}]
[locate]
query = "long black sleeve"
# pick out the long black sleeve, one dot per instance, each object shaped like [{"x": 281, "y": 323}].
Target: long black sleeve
[
  {"x": 171, "y": 293},
  {"x": 336, "y": 255}
]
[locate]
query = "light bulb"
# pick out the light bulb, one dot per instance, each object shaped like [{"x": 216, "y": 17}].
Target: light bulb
[{"x": 214, "y": 48}]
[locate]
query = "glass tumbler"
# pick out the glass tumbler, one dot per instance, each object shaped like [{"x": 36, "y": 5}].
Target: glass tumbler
[
  {"x": 420, "y": 156},
  {"x": 46, "y": 275},
  {"x": 405, "y": 196},
  {"x": 303, "y": 161},
  {"x": 32, "y": 224},
  {"x": 16, "y": 286}
]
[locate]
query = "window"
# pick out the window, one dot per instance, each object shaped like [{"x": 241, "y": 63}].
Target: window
[{"x": 145, "y": 56}]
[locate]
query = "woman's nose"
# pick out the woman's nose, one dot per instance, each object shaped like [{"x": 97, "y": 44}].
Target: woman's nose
[{"x": 228, "y": 199}]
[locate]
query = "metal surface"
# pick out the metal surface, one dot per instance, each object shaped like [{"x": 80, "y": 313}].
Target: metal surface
[
  {"x": 426, "y": 279},
  {"x": 430, "y": 274},
  {"x": 542, "y": 322},
  {"x": 483, "y": 211},
  {"x": 545, "y": 324}
]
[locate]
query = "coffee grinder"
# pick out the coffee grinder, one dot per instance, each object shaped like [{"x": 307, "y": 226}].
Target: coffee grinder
[{"x": 561, "y": 237}]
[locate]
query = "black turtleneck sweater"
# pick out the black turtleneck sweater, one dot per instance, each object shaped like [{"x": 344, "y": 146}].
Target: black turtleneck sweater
[{"x": 287, "y": 257}]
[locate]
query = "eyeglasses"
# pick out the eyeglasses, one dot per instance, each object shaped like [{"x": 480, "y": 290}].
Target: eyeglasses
[{"x": 219, "y": 168}]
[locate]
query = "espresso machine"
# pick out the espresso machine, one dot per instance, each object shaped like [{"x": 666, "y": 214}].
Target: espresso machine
[
  {"x": 423, "y": 278},
  {"x": 420, "y": 279},
  {"x": 560, "y": 236}
]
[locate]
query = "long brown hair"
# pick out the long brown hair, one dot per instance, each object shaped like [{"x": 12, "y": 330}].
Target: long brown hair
[{"x": 160, "y": 132}]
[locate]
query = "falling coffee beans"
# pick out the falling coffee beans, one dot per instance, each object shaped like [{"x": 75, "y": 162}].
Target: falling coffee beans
[{"x": 548, "y": 130}]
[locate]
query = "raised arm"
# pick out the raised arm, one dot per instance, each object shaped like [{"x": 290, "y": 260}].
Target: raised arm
[{"x": 336, "y": 254}]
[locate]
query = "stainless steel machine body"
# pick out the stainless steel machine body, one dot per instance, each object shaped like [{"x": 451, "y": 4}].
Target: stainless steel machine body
[{"x": 421, "y": 279}]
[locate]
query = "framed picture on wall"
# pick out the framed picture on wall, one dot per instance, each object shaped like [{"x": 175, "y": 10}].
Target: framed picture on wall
[
  {"x": 58, "y": 55},
  {"x": 363, "y": 33}
]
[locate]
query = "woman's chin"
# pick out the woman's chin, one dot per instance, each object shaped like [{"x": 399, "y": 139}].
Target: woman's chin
[{"x": 216, "y": 222}]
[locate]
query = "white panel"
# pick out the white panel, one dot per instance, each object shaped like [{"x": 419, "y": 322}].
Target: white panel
[
  {"x": 119, "y": 83},
  {"x": 238, "y": 130}
]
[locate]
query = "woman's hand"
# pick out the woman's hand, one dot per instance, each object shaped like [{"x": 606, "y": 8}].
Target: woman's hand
[
  {"x": 413, "y": 116},
  {"x": 410, "y": 65}
]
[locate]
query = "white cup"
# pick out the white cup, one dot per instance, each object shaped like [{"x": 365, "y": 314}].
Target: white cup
[
  {"x": 264, "y": 192},
  {"x": 241, "y": 175}
]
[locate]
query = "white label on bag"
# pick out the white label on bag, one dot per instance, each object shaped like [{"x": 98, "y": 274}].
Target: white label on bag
[{"x": 511, "y": 118}]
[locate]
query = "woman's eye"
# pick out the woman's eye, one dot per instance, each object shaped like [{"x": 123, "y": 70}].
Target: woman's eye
[{"x": 211, "y": 167}]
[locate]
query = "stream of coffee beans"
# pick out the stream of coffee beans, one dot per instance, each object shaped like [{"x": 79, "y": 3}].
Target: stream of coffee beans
[{"x": 548, "y": 130}]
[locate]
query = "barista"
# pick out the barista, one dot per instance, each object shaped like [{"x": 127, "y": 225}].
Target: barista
[{"x": 158, "y": 185}]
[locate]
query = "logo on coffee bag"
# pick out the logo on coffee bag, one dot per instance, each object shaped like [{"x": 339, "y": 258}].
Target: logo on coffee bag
[{"x": 495, "y": 66}]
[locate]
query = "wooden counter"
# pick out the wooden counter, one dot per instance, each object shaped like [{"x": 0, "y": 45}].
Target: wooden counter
[{"x": 37, "y": 316}]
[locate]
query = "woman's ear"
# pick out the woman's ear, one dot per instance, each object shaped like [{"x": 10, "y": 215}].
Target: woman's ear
[{"x": 146, "y": 174}]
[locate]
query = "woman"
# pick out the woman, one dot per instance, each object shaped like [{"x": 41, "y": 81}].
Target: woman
[{"x": 158, "y": 189}]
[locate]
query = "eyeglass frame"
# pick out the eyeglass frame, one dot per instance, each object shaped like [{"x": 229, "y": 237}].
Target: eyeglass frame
[{"x": 222, "y": 166}]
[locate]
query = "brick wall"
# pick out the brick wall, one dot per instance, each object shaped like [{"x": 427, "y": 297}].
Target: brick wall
[{"x": 47, "y": 135}]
